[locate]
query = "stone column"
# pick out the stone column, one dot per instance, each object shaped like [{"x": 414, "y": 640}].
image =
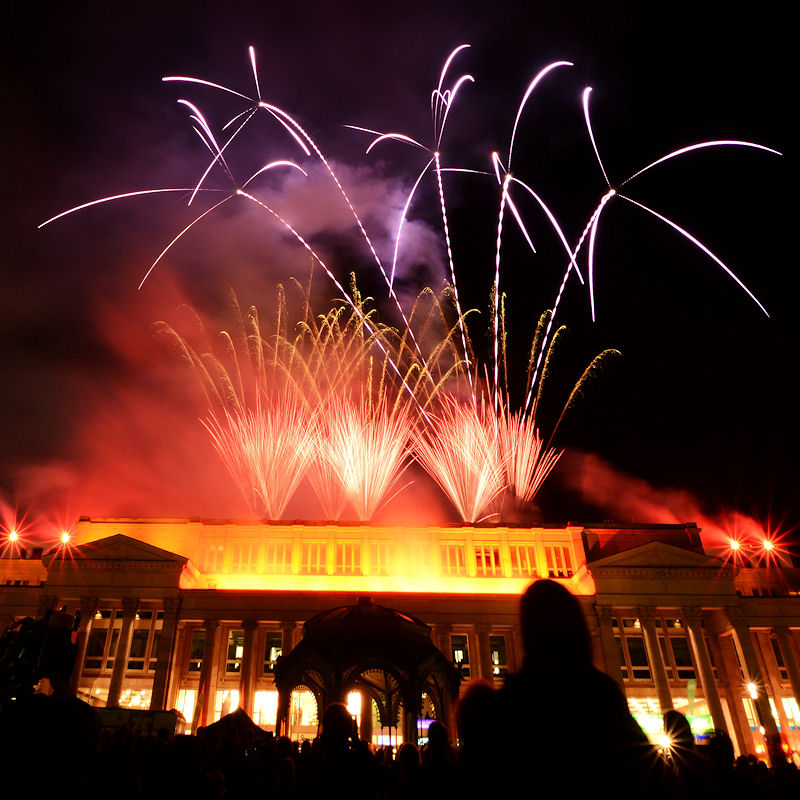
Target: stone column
[
  {"x": 247, "y": 680},
  {"x": 772, "y": 674},
  {"x": 204, "y": 711},
  {"x": 365, "y": 734},
  {"x": 647, "y": 618},
  {"x": 753, "y": 675},
  {"x": 88, "y": 609},
  {"x": 608, "y": 644},
  {"x": 697, "y": 640},
  {"x": 784, "y": 637},
  {"x": 484, "y": 660},
  {"x": 129, "y": 607},
  {"x": 164, "y": 654}
]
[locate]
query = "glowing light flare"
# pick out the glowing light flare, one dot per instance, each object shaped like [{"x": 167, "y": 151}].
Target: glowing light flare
[
  {"x": 527, "y": 461},
  {"x": 252, "y": 51},
  {"x": 697, "y": 243},
  {"x": 460, "y": 452},
  {"x": 528, "y": 92},
  {"x": 219, "y": 157},
  {"x": 451, "y": 264},
  {"x": 266, "y": 451},
  {"x": 343, "y": 292},
  {"x": 65, "y": 537},
  {"x": 586, "y": 93},
  {"x": 368, "y": 450},
  {"x": 699, "y": 146},
  {"x": 122, "y": 196}
]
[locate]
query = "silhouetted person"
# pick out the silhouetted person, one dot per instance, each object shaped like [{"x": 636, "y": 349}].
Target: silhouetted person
[
  {"x": 340, "y": 766},
  {"x": 691, "y": 770},
  {"x": 561, "y": 726}
]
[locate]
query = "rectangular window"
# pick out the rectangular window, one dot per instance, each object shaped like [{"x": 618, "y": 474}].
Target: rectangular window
[
  {"x": 212, "y": 556},
  {"x": 379, "y": 558},
  {"x": 487, "y": 560},
  {"x": 523, "y": 561},
  {"x": 559, "y": 561},
  {"x": 683, "y": 657},
  {"x": 138, "y": 649},
  {"x": 454, "y": 561},
  {"x": 638, "y": 658},
  {"x": 313, "y": 558},
  {"x": 497, "y": 650},
  {"x": 235, "y": 654},
  {"x": 226, "y": 701},
  {"x": 623, "y": 664},
  {"x": 185, "y": 703},
  {"x": 196, "y": 650},
  {"x": 244, "y": 556},
  {"x": 348, "y": 558},
  {"x": 460, "y": 653},
  {"x": 274, "y": 647},
  {"x": 96, "y": 645},
  {"x": 279, "y": 557},
  {"x": 265, "y": 708},
  {"x": 782, "y": 671}
]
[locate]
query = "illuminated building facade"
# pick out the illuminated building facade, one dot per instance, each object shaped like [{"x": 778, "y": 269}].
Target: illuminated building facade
[{"x": 194, "y": 615}]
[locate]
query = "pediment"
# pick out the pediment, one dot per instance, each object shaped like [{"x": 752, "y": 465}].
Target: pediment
[
  {"x": 657, "y": 555},
  {"x": 116, "y": 548}
]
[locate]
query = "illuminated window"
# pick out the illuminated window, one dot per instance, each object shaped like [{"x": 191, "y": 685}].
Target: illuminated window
[
  {"x": 559, "y": 561},
  {"x": 265, "y": 708},
  {"x": 226, "y": 701},
  {"x": 235, "y": 654},
  {"x": 101, "y": 646},
  {"x": 196, "y": 651},
  {"x": 454, "y": 560},
  {"x": 459, "y": 648},
  {"x": 523, "y": 560},
  {"x": 244, "y": 556},
  {"x": 272, "y": 650},
  {"x": 186, "y": 702},
  {"x": 792, "y": 712},
  {"x": 379, "y": 558},
  {"x": 279, "y": 557},
  {"x": 348, "y": 558},
  {"x": 211, "y": 557},
  {"x": 497, "y": 650},
  {"x": 354, "y": 706},
  {"x": 487, "y": 560},
  {"x": 303, "y": 710},
  {"x": 313, "y": 558}
]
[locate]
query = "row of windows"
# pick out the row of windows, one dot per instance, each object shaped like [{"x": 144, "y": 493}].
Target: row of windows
[
  {"x": 673, "y": 641},
  {"x": 101, "y": 647},
  {"x": 348, "y": 558},
  {"x": 272, "y": 649},
  {"x": 234, "y": 653}
]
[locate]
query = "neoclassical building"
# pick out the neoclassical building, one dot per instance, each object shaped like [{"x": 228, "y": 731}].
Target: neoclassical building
[{"x": 205, "y": 616}]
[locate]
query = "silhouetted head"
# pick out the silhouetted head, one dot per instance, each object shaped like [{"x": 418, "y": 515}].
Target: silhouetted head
[
  {"x": 677, "y": 728},
  {"x": 474, "y": 707},
  {"x": 554, "y": 629},
  {"x": 337, "y": 724}
]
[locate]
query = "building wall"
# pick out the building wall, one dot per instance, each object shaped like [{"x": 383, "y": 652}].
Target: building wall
[{"x": 191, "y": 613}]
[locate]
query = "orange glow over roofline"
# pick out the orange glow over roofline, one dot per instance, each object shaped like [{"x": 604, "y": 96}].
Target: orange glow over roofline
[{"x": 580, "y": 584}]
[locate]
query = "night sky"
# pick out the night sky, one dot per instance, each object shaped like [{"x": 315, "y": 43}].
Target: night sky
[{"x": 696, "y": 421}]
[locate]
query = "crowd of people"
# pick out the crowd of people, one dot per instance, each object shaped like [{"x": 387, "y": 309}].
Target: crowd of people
[{"x": 558, "y": 727}]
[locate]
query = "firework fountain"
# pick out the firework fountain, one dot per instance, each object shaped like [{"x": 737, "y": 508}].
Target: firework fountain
[{"x": 345, "y": 401}]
